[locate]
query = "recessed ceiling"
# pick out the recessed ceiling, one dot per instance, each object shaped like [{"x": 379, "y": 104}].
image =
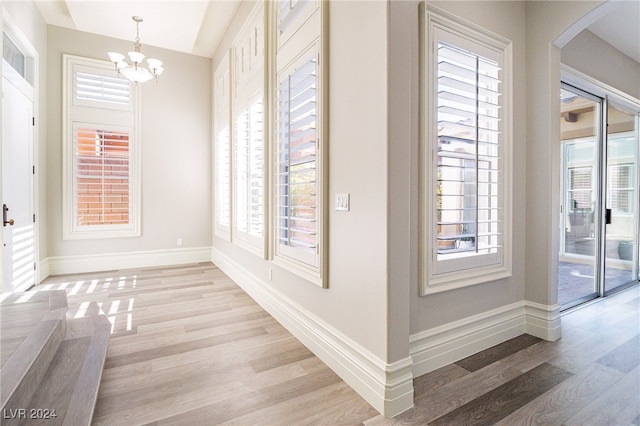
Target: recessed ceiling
[
  {"x": 621, "y": 28},
  {"x": 190, "y": 26}
]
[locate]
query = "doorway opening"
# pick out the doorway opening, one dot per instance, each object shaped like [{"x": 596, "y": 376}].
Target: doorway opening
[{"x": 599, "y": 221}]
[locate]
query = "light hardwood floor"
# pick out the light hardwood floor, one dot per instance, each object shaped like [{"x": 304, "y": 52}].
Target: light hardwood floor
[{"x": 190, "y": 347}]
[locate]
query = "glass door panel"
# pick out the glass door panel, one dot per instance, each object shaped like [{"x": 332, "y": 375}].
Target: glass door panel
[
  {"x": 621, "y": 200},
  {"x": 580, "y": 136}
]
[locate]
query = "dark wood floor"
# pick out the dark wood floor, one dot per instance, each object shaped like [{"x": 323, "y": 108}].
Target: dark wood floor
[
  {"x": 591, "y": 376},
  {"x": 190, "y": 347}
]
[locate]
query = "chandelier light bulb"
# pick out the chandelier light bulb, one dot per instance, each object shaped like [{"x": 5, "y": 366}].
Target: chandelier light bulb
[
  {"x": 136, "y": 57},
  {"x": 115, "y": 57}
]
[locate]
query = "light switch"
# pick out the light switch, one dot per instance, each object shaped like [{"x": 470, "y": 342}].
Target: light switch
[{"x": 342, "y": 202}]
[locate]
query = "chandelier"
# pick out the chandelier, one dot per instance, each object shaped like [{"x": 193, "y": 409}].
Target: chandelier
[{"x": 136, "y": 72}]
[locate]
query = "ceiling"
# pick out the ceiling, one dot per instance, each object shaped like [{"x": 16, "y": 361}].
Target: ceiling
[
  {"x": 190, "y": 26},
  {"x": 197, "y": 26},
  {"x": 621, "y": 27}
]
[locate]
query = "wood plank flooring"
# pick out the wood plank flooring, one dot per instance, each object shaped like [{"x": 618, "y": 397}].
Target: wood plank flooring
[
  {"x": 188, "y": 346},
  {"x": 589, "y": 377}
]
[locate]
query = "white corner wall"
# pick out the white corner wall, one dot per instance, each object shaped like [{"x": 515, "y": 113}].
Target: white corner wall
[
  {"x": 176, "y": 171},
  {"x": 347, "y": 324}
]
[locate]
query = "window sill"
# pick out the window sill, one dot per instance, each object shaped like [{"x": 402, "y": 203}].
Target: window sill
[{"x": 462, "y": 279}]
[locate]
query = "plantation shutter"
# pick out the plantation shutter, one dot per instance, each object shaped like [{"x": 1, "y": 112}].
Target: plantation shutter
[
  {"x": 223, "y": 171},
  {"x": 296, "y": 150},
  {"x": 241, "y": 172},
  {"x": 93, "y": 87},
  {"x": 101, "y": 175},
  {"x": 292, "y": 14},
  {"x": 580, "y": 190},
  {"x": 256, "y": 169},
  {"x": 249, "y": 145},
  {"x": 620, "y": 188},
  {"x": 468, "y": 193}
]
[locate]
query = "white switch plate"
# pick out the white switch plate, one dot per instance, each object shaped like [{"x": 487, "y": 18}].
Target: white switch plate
[{"x": 342, "y": 202}]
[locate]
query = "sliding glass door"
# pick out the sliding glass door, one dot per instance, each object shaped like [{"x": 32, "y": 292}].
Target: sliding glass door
[
  {"x": 620, "y": 245},
  {"x": 599, "y": 211},
  {"x": 580, "y": 129}
]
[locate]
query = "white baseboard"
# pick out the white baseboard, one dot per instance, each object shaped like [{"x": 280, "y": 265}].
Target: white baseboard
[
  {"x": 387, "y": 387},
  {"x": 440, "y": 346},
  {"x": 43, "y": 270},
  {"x": 61, "y": 265},
  {"x": 543, "y": 321}
]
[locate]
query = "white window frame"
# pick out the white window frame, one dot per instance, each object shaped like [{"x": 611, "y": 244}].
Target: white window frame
[
  {"x": 102, "y": 114},
  {"x": 452, "y": 273},
  {"x": 305, "y": 35},
  {"x": 248, "y": 83},
  {"x": 222, "y": 165}
]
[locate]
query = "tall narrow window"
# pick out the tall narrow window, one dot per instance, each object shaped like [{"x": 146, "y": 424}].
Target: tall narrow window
[
  {"x": 102, "y": 185},
  {"x": 297, "y": 184},
  {"x": 466, "y": 137},
  {"x": 248, "y": 134},
  {"x": 468, "y": 154},
  {"x": 249, "y": 166},
  {"x": 299, "y": 161}
]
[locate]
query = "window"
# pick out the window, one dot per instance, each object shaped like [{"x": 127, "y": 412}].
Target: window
[
  {"x": 248, "y": 141},
  {"x": 101, "y": 171},
  {"x": 249, "y": 165},
  {"x": 466, "y": 161},
  {"x": 292, "y": 14},
  {"x": 299, "y": 189},
  {"x": 101, "y": 159},
  {"x": 620, "y": 192},
  {"x": 621, "y": 170},
  {"x": 297, "y": 182},
  {"x": 13, "y": 55},
  {"x": 580, "y": 189},
  {"x": 222, "y": 150}
]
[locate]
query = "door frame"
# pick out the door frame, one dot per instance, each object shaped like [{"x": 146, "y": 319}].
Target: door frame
[
  {"x": 586, "y": 84},
  {"x": 11, "y": 28}
]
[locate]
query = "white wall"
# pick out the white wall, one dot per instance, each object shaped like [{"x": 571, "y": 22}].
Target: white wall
[
  {"x": 176, "y": 134},
  {"x": 593, "y": 56}
]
